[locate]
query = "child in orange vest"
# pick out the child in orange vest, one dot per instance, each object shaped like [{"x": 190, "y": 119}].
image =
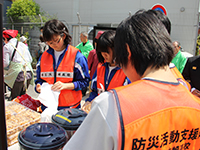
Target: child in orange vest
[
  {"x": 62, "y": 65},
  {"x": 108, "y": 75}
]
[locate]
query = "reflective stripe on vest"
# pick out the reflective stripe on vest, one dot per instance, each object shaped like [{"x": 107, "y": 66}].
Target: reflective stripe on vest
[
  {"x": 58, "y": 74},
  {"x": 64, "y": 73},
  {"x": 47, "y": 74},
  {"x": 117, "y": 80},
  {"x": 151, "y": 120},
  {"x": 179, "y": 77}
]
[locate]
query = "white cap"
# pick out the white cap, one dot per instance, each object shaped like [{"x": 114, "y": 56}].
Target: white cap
[{"x": 22, "y": 38}]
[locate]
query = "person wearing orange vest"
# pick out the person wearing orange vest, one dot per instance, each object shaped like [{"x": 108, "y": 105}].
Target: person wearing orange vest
[
  {"x": 155, "y": 111},
  {"x": 107, "y": 75},
  {"x": 62, "y": 65}
]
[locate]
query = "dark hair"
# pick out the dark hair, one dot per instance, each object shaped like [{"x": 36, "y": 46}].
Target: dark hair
[
  {"x": 95, "y": 40},
  {"x": 148, "y": 40},
  {"x": 41, "y": 28},
  {"x": 105, "y": 41},
  {"x": 10, "y": 37},
  {"x": 41, "y": 38},
  {"x": 55, "y": 27},
  {"x": 160, "y": 15},
  {"x": 163, "y": 18}
]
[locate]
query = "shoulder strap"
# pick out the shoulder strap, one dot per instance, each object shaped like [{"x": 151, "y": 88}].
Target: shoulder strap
[
  {"x": 120, "y": 117},
  {"x": 14, "y": 51},
  {"x": 18, "y": 52}
]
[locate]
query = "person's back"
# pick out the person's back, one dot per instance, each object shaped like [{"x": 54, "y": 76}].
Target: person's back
[
  {"x": 155, "y": 111},
  {"x": 23, "y": 39},
  {"x": 22, "y": 50},
  {"x": 152, "y": 107},
  {"x": 17, "y": 56}
]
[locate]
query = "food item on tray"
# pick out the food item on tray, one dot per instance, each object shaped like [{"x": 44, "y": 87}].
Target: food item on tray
[
  {"x": 16, "y": 108},
  {"x": 11, "y": 127},
  {"x": 18, "y": 117}
]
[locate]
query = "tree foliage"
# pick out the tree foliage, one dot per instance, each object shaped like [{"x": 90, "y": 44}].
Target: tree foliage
[
  {"x": 23, "y": 8},
  {"x": 24, "y": 15},
  {"x": 27, "y": 11}
]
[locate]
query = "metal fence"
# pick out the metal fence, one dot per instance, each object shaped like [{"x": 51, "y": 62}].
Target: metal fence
[{"x": 28, "y": 26}]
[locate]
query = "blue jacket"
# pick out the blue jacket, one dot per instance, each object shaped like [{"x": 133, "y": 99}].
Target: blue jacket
[{"x": 94, "y": 92}]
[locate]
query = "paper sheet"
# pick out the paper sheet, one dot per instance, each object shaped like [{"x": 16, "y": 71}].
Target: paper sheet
[{"x": 48, "y": 98}]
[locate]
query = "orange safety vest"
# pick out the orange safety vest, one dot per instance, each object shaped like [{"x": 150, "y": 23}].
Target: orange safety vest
[
  {"x": 64, "y": 73},
  {"x": 156, "y": 119},
  {"x": 117, "y": 80},
  {"x": 179, "y": 77}
]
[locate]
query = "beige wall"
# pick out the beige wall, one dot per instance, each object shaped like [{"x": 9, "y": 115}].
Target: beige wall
[{"x": 184, "y": 23}]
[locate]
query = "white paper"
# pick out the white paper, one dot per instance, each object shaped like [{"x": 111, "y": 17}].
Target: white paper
[{"x": 48, "y": 98}]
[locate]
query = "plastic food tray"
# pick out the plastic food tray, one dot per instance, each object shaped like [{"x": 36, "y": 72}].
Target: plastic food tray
[{"x": 18, "y": 117}]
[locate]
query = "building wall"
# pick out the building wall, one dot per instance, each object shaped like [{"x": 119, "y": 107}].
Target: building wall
[{"x": 182, "y": 13}]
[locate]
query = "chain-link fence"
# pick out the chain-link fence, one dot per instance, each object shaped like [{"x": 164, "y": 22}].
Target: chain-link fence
[
  {"x": 23, "y": 23},
  {"x": 28, "y": 26}
]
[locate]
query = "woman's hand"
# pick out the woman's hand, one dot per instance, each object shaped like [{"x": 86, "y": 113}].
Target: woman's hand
[
  {"x": 38, "y": 87},
  {"x": 58, "y": 86},
  {"x": 87, "y": 106}
]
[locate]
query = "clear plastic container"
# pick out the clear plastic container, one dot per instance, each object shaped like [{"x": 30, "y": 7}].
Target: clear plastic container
[{"x": 18, "y": 117}]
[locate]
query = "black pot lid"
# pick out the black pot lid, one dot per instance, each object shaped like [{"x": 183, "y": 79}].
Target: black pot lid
[
  {"x": 69, "y": 118},
  {"x": 43, "y": 136}
]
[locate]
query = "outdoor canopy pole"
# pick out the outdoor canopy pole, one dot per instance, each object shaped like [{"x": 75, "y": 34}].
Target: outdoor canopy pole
[{"x": 3, "y": 137}]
